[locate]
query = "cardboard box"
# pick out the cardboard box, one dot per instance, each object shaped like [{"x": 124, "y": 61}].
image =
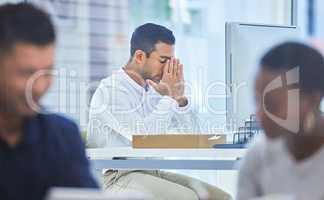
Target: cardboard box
[{"x": 178, "y": 141}]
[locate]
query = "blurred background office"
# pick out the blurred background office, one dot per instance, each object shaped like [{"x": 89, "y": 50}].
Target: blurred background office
[{"x": 93, "y": 39}]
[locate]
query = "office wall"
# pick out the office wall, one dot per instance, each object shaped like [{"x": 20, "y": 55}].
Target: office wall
[{"x": 91, "y": 43}]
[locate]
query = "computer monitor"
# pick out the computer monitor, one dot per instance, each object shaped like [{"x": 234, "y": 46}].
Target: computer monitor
[{"x": 245, "y": 44}]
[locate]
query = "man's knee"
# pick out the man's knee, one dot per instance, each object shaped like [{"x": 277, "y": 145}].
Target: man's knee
[
  {"x": 184, "y": 193},
  {"x": 152, "y": 186}
]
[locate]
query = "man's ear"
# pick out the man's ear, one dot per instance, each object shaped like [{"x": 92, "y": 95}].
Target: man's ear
[{"x": 139, "y": 57}]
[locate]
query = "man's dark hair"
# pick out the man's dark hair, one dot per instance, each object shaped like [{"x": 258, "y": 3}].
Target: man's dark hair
[
  {"x": 289, "y": 55},
  {"x": 23, "y": 22},
  {"x": 147, "y": 35}
]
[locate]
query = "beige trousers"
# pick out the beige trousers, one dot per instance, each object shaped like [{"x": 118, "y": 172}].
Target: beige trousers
[{"x": 161, "y": 185}]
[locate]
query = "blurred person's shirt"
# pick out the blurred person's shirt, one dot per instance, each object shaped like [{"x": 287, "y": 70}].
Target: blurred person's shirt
[
  {"x": 120, "y": 108},
  {"x": 51, "y": 154},
  {"x": 269, "y": 169}
]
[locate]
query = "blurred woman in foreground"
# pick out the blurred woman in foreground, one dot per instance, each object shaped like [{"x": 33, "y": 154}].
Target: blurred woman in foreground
[{"x": 289, "y": 158}]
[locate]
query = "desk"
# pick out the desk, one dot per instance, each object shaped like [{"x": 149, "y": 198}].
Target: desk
[{"x": 148, "y": 159}]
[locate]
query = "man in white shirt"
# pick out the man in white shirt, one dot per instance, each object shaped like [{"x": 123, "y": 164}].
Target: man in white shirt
[{"x": 146, "y": 97}]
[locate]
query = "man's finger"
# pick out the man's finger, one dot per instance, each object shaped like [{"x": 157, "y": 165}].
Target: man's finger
[
  {"x": 171, "y": 66},
  {"x": 180, "y": 71},
  {"x": 166, "y": 68},
  {"x": 176, "y": 66}
]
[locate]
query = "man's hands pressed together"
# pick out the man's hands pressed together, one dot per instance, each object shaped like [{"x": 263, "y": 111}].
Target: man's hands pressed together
[{"x": 172, "y": 82}]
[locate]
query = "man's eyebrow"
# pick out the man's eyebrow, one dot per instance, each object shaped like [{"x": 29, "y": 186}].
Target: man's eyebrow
[
  {"x": 32, "y": 69},
  {"x": 166, "y": 57}
]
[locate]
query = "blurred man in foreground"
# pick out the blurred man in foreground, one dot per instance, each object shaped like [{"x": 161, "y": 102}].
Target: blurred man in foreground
[{"x": 37, "y": 151}]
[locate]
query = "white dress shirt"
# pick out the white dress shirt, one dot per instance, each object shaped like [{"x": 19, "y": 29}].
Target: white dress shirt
[
  {"x": 269, "y": 169},
  {"x": 120, "y": 108}
]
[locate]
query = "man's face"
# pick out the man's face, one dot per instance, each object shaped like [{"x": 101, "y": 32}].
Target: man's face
[
  {"x": 155, "y": 63},
  {"x": 25, "y": 71}
]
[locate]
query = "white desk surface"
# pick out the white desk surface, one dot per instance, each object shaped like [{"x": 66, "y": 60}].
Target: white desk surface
[{"x": 216, "y": 154}]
